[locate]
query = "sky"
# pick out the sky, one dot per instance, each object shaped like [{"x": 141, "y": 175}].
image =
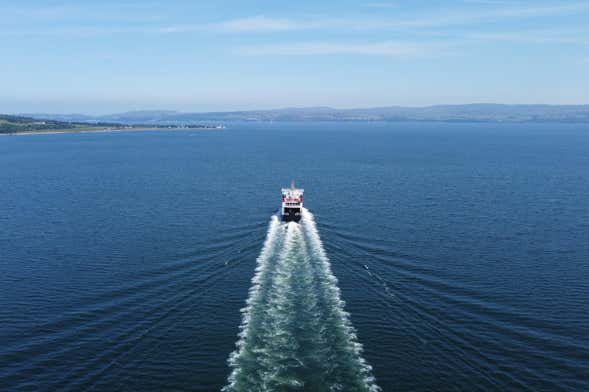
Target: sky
[{"x": 112, "y": 56}]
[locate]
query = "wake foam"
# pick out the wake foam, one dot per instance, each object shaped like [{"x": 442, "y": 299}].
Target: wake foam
[{"x": 295, "y": 333}]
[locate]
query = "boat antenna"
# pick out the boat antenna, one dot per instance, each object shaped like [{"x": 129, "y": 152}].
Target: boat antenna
[{"x": 292, "y": 185}]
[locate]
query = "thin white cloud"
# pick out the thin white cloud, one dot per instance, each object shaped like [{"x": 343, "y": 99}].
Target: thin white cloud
[
  {"x": 464, "y": 17},
  {"x": 266, "y": 24},
  {"x": 74, "y": 32},
  {"x": 543, "y": 10},
  {"x": 536, "y": 37},
  {"x": 259, "y": 24},
  {"x": 178, "y": 28},
  {"x": 392, "y": 49},
  {"x": 381, "y": 5},
  {"x": 117, "y": 11},
  {"x": 491, "y": 2},
  {"x": 255, "y": 24}
]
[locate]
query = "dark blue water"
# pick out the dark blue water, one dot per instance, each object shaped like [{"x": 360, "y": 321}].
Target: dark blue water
[{"x": 461, "y": 252}]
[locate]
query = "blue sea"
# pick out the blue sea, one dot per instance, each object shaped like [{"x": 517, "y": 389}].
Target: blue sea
[{"x": 430, "y": 257}]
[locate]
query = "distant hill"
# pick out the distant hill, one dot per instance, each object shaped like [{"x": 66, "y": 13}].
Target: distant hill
[{"x": 467, "y": 113}]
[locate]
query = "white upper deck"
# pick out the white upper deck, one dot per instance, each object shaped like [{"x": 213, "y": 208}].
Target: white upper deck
[
  {"x": 292, "y": 197},
  {"x": 292, "y": 193}
]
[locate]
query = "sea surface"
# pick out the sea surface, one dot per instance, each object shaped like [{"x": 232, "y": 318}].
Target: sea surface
[{"x": 431, "y": 257}]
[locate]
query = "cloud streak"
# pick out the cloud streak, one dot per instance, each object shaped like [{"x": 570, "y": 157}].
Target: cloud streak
[
  {"x": 380, "y": 5},
  {"x": 261, "y": 24},
  {"x": 119, "y": 11},
  {"x": 535, "y": 37},
  {"x": 387, "y": 48}
]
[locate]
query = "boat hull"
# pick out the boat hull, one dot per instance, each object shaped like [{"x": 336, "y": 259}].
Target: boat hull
[{"x": 291, "y": 215}]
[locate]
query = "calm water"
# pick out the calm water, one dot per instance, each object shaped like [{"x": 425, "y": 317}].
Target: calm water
[{"x": 461, "y": 252}]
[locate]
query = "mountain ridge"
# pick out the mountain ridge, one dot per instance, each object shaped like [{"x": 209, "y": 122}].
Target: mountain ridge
[{"x": 484, "y": 112}]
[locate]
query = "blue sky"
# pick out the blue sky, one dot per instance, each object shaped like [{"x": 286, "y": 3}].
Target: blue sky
[{"x": 109, "y": 56}]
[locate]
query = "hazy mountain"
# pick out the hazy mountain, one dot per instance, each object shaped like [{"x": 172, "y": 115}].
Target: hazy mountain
[{"x": 471, "y": 112}]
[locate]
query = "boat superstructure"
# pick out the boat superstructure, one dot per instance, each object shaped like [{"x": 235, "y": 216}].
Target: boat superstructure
[{"x": 292, "y": 203}]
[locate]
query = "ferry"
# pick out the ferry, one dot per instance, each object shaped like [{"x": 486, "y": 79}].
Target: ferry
[{"x": 292, "y": 203}]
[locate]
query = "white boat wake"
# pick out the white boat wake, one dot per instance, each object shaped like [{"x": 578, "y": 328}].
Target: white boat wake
[{"x": 295, "y": 333}]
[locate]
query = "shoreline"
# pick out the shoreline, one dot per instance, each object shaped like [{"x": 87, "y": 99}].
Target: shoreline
[{"x": 110, "y": 130}]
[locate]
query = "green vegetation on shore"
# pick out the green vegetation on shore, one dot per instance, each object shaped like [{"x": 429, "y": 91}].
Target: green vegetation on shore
[
  {"x": 10, "y": 124},
  {"x": 18, "y": 124}
]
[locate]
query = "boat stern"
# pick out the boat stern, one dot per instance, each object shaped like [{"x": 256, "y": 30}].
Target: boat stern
[{"x": 292, "y": 204}]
